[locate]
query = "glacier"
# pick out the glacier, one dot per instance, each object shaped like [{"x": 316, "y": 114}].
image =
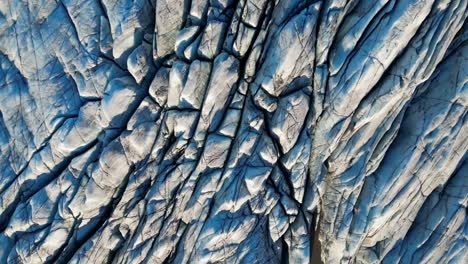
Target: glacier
[{"x": 233, "y": 131}]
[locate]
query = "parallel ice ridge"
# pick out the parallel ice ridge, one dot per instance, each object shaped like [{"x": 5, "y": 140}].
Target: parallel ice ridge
[{"x": 233, "y": 131}]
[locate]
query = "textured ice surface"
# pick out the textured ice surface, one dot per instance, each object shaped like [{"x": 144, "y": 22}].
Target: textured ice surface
[{"x": 233, "y": 131}]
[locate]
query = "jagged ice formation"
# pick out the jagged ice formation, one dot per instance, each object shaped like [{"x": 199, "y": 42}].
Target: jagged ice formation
[{"x": 233, "y": 131}]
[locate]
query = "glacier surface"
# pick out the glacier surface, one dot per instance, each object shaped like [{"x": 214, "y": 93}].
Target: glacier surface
[{"x": 233, "y": 131}]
